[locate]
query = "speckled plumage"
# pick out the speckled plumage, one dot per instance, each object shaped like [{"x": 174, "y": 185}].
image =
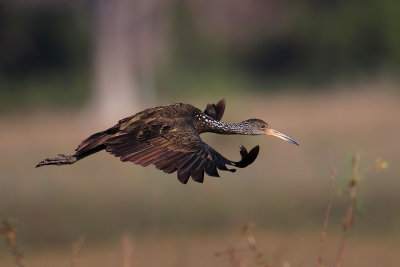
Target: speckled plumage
[{"x": 168, "y": 137}]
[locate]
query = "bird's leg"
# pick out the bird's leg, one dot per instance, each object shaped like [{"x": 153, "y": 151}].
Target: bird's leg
[{"x": 60, "y": 160}]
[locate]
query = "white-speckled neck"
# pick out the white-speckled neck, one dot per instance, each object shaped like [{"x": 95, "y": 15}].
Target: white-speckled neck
[{"x": 205, "y": 123}]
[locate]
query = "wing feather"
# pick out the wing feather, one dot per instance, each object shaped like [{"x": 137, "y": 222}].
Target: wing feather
[
  {"x": 216, "y": 111},
  {"x": 173, "y": 147}
]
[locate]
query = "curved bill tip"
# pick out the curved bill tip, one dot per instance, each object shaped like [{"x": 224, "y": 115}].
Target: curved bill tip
[{"x": 282, "y": 136}]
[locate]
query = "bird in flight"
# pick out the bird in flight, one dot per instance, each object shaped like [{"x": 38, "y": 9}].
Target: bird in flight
[{"x": 169, "y": 138}]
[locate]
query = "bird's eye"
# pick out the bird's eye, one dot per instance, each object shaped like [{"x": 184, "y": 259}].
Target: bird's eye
[{"x": 262, "y": 126}]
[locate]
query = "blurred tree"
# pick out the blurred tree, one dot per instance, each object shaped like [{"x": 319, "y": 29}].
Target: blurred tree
[
  {"x": 128, "y": 44},
  {"x": 115, "y": 92},
  {"x": 46, "y": 47},
  {"x": 45, "y": 52}
]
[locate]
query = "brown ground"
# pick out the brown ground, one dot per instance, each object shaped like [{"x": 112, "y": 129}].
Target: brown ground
[{"x": 284, "y": 192}]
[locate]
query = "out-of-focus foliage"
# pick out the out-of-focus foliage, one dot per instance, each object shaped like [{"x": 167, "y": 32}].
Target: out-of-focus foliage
[
  {"x": 313, "y": 41},
  {"x": 46, "y": 48},
  {"x": 44, "y": 54},
  {"x": 349, "y": 38}
]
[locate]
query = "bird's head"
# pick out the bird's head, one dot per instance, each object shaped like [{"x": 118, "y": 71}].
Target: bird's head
[{"x": 260, "y": 127}]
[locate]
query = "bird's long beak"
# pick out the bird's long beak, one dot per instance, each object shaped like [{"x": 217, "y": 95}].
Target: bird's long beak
[{"x": 281, "y": 136}]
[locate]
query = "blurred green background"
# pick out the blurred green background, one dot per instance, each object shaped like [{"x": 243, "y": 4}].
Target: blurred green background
[{"x": 324, "y": 72}]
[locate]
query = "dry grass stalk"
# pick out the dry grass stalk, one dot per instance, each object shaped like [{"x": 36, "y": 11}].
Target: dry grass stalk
[
  {"x": 127, "y": 251},
  {"x": 76, "y": 250},
  {"x": 259, "y": 257},
  {"x": 236, "y": 255},
  {"x": 328, "y": 209},
  {"x": 8, "y": 229},
  {"x": 349, "y": 219}
]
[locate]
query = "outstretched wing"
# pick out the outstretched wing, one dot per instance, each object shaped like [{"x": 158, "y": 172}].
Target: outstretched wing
[
  {"x": 174, "y": 148},
  {"x": 216, "y": 111}
]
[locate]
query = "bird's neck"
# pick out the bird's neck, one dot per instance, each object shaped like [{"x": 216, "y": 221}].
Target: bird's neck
[{"x": 205, "y": 123}]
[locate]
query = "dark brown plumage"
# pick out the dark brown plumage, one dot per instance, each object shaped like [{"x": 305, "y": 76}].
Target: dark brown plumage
[{"x": 168, "y": 137}]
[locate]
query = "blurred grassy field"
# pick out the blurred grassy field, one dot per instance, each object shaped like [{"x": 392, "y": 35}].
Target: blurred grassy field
[
  {"x": 284, "y": 192},
  {"x": 199, "y": 249}
]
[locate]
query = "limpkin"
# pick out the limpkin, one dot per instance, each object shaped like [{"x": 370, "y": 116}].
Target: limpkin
[{"x": 168, "y": 137}]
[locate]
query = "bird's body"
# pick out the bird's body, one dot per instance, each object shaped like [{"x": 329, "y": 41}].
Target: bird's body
[{"x": 168, "y": 137}]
